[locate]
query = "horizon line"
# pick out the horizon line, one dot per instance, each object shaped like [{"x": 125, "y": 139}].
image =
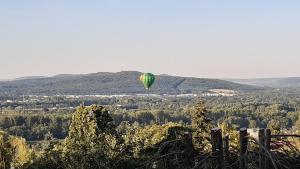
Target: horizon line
[{"x": 160, "y": 74}]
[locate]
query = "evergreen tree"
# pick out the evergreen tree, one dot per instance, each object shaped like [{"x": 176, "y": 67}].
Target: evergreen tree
[
  {"x": 90, "y": 139},
  {"x": 201, "y": 125}
]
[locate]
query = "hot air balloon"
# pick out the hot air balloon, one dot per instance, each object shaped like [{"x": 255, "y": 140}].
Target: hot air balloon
[{"x": 147, "y": 79}]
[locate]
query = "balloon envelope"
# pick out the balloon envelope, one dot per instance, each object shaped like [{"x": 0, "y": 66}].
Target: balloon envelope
[{"x": 147, "y": 79}]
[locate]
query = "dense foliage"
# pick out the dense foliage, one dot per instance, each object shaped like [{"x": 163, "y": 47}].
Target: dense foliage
[{"x": 14, "y": 152}]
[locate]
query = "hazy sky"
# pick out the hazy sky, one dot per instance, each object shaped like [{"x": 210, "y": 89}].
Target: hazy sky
[{"x": 202, "y": 38}]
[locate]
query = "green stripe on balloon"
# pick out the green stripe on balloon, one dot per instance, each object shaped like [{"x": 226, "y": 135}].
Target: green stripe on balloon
[{"x": 147, "y": 79}]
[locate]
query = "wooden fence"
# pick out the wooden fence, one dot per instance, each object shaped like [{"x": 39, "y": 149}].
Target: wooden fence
[{"x": 257, "y": 149}]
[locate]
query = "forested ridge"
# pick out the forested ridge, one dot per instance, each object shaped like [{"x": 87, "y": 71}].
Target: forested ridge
[{"x": 125, "y": 82}]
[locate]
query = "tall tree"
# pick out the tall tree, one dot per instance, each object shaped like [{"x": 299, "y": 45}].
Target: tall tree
[
  {"x": 90, "y": 138},
  {"x": 201, "y": 125}
]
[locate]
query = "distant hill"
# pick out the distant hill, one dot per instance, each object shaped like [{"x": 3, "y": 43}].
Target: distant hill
[
  {"x": 29, "y": 77},
  {"x": 289, "y": 82},
  {"x": 126, "y": 82}
]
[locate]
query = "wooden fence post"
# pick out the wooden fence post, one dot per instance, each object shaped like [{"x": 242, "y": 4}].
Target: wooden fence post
[
  {"x": 217, "y": 146},
  {"x": 190, "y": 156},
  {"x": 188, "y": 138},
  {"x": 268, "y": 147},
  {"x": 243, "y": 148},
  {"x": 226, "y": 149},
  {"x": 261, "y": 141}
]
